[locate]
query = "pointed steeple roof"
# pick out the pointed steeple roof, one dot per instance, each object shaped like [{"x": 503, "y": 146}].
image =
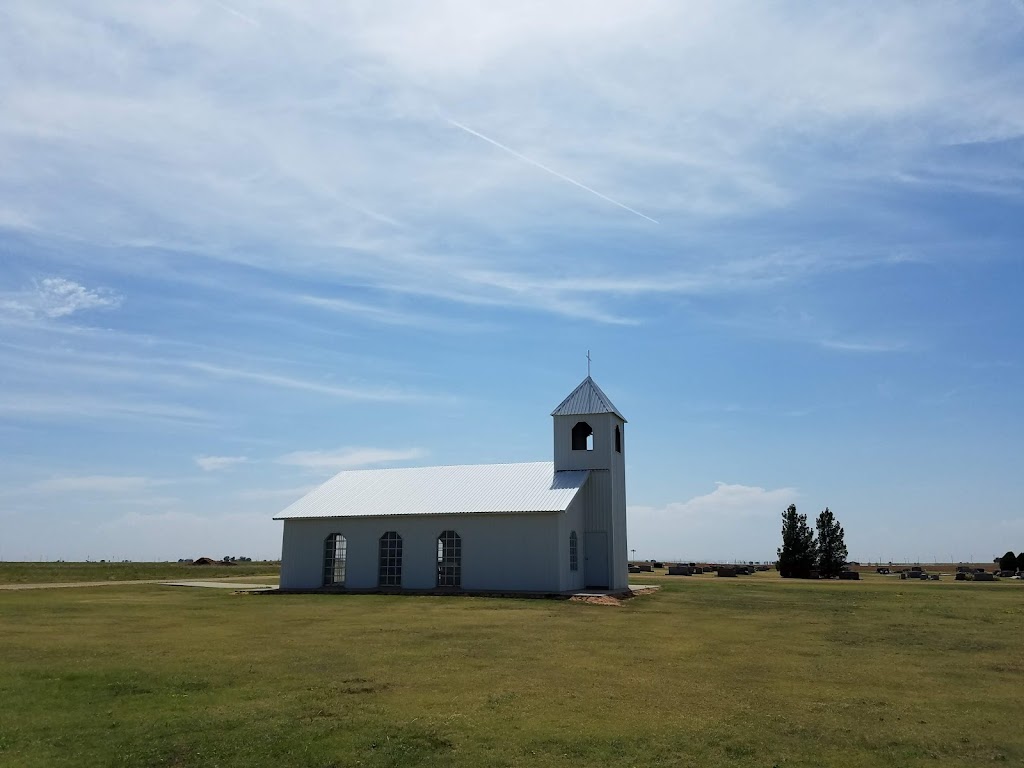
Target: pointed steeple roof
[{"x": 587, "y": 398}]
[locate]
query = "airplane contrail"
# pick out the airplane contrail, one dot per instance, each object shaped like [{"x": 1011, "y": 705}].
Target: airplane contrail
[
  {"x": 237, "y": 13},
  {"x": 543, "y": 167}
]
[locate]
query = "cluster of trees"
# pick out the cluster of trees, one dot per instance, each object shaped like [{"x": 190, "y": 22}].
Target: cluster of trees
[
  {"x": 802, "y": 553},
  {"x": 1011, "y": 562}
]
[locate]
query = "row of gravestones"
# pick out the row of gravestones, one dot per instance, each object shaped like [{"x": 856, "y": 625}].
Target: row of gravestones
[
  {"x": 645, "y": 567},
  {"x": 720, "y": 570},
  {"x": 843, "y": 575},
  {"x": 673, "y": 570},
  {"x": 966, "y": 573},
  {"x": 641, "y": 568},
  {"x": 963, "y": 573},
  {"x": 915, "y": 572},
  {"x": 688, "y": 570}
]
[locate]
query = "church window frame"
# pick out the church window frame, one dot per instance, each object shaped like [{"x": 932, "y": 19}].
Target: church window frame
[
  {"x": 389, "y": 560},
  {"x": 618, "y": 439},
  {"x": 335, "y": 560},
  {"x": 449, "y": 560},
  {"x": 574, "y": 552},
  {"x": 582, "y": 437}
]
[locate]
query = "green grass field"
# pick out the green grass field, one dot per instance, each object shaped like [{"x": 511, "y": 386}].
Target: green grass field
[
  {"x": 708, "y": 672},
  {"x": 42, "y": 573}
]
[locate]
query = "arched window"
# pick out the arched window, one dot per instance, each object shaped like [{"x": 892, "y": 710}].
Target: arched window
[
  {"x": 449, "y": 559},
  {"x": 390, "y": 570},
  {"x": 618, "y": 439},
  {"x": 582, "y": 437},
  {"x": 574, "y": 556},
  {"x": 334, "y": 560}
]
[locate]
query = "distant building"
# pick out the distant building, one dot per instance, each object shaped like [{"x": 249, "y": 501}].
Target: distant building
[{"x": 549, "y": 527}]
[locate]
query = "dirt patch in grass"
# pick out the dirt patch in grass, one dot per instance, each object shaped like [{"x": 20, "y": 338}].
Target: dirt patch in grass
[
  {"x": 612, "y": 599},
  {"x": 638, "y": 591},
  {"x": 596, "y": 600}
]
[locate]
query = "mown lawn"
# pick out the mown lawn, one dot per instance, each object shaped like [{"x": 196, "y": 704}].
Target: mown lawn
[
  {"x": 46, "y": 573},
  {"x": 709, "y": 672}
]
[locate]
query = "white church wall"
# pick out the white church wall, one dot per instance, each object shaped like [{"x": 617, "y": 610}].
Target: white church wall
[
  {"x": 619, "y": 546},
  {"x": 571, "y": 520},
  {"x": 595, "y": 497},
  {"x": 301, "y": 555},
  {"x": 499, "y": 552},
  {"x": 512, "y": 552}
]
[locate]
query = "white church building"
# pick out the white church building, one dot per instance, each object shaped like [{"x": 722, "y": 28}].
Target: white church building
[{"x": 548, "y": 527}]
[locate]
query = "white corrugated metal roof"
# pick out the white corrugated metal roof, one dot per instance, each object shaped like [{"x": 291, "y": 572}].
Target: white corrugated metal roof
[
  {"x": 533, "y": 487},
  {"x": 586, "y": 398}
]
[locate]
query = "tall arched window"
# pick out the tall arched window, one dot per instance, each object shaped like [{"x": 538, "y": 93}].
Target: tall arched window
[
  {"x": 618, "y": 439},
  {"x": 334, "y": 560},
  {"x": 390, "y": 561},
  {"x": 574, "y": 554},
  {"x": 582, "y": 437},
  {"x": 449, "y": 559}
]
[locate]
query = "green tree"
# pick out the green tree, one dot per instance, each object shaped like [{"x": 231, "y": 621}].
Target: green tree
[
  {"x": 799, "y": 552},
  {"x": 1009, "y": 562},
  {"x": 832, "y": 552}
]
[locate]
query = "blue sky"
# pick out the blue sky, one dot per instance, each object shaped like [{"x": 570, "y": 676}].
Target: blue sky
[{"x": 244, "y": 245}]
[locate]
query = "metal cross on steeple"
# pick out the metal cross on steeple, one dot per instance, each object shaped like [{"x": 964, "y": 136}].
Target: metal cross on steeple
[{"x": 588, "y": 363}]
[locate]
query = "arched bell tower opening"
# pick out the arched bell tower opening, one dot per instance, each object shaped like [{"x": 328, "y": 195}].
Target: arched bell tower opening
[{"x": 582, "y": 437}]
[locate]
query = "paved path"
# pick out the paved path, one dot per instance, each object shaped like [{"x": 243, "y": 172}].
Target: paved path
[
  {"x": 114, "y": 583},
  {"x": 219, "y": 585},
  {"x": 56, "y": 584}
]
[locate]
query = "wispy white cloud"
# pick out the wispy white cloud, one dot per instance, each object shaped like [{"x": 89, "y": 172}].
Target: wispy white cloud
[
  {"x": 846, "y": 345},
  {"x": 732, "y": 521},
  {"x": 347, "y": 458},
  {"x": 164, "y": 365},
  {"x": 377, "y": 314},
  {"x": 218, "y": 463},
  {"x": 237, "y": 14},
  {"x": 74, "y": 407},
  {"x": 15, "y": 220},
  {"x": 113, "y": 377},
  {"x": 727, "y": 500},
  {"x": 55, "y": 297},
  {"x": 101, "y": 484},
  {"x": 274, "y": 494},
  {"x": 377, "y": 394},
  {"x": 805, "y": 322}
]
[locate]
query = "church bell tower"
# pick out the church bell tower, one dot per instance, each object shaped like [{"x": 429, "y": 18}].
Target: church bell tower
[{"x": 589, "y": 433}]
